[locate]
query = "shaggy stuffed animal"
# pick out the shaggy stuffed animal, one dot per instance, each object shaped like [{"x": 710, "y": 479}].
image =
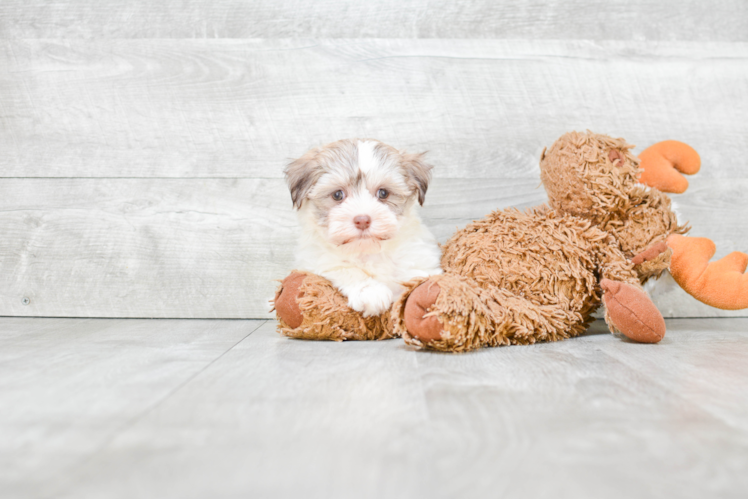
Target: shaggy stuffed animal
[{"x": 519, "y": 277}]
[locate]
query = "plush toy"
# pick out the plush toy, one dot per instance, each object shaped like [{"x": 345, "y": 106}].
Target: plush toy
[
  {"x": 722, "y": 284},
  {"x": 521, "y": 277}
]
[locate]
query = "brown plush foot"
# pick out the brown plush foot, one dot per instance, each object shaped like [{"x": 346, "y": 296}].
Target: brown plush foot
[
  {"x": 286, "y": 300},
  {"x": 632, "y": 312},
  {"x": 429, "y": 328}
]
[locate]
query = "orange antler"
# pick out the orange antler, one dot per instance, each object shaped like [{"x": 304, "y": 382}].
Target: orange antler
[
  {"x": 720, "y": 284},
  {"x": 663, "y": 162}
]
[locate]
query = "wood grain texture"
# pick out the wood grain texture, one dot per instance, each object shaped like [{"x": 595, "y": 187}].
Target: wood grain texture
[
  {"x": 212, "y": 248},
  {"x": 595, "y": 416},
  {"x": 533, "y": 19},
  {"x": 172, "y": 247},
  {"x": 67, "y": 387},
  {"x": 145, "y": 248},
  {"x": 242, "y": 108}
]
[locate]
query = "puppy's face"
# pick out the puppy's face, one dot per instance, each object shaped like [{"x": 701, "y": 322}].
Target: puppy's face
[{"x": 357, "y": 192}]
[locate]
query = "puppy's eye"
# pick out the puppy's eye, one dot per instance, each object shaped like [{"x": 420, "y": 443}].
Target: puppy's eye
[
  {"x": 382, "y": 194},
  {"x": 338, "y": 195}
]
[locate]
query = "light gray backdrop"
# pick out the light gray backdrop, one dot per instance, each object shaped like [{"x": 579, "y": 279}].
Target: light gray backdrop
[{"x": 142, "y": 143}]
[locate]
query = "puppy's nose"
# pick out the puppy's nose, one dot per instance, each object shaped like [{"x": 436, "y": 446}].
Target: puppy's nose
[{"x": 362, "y": 221}]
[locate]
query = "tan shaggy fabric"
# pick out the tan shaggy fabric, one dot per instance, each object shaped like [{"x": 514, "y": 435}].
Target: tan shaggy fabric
[
  {"x": 486, "y": 317},
  {"x": 581, "y": 180},
  {"x": 519, "y": 278},
  {"x": 654, "y": 267},
  {"x": 326, "y": 315},
  {"x": 522, "y": 277}
]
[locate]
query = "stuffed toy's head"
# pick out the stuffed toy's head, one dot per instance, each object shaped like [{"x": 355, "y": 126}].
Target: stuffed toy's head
[
  {"x": 595, "y": 176},
  {"x": 589, "y": 175}
]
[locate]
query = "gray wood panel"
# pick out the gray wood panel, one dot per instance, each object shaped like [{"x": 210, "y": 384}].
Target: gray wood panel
[
  {"x": 241, "y": 108},
  {"x": 211, "y": 248},
  {"x": 172, "y": 247},
  {"x": 595, "y": 416},
  {"x": 534, "y": 19},
  {"x": 144, "y": 248},
  {"x": 68, "y": 387}
]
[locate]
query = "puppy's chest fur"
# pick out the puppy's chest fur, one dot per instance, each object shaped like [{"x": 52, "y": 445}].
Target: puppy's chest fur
[{"x": 413, "y": 252}]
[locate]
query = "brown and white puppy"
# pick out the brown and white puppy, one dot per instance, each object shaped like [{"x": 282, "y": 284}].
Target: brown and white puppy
[{"x": 357, "y": 202}]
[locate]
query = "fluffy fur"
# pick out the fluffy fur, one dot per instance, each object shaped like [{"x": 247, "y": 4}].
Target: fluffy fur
[
  {"x": 595, "y": 177},
  {"x": 318, "y": 298},
  {"x": 523, "y": 277},
  {"x": 353, "y": 180}
]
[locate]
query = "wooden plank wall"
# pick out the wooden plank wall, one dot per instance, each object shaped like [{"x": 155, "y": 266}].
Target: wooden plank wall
[{"x": 142, "y": 143}]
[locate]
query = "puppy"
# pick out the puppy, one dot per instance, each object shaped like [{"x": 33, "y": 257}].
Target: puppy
[{"x": 357, "y": 204}]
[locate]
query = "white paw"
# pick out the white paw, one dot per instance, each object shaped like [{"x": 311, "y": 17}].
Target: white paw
[{"x": 372, "y": 299}]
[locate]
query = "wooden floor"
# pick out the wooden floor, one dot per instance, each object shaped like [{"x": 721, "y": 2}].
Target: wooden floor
[{"x": 120, "y": 408}]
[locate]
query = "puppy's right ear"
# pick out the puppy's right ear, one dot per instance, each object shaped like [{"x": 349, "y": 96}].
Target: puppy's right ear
[{"x": 301, "y": 175}]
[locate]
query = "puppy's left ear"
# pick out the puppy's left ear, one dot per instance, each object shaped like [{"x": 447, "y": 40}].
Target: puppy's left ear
[{"x": 418, "y": 173}]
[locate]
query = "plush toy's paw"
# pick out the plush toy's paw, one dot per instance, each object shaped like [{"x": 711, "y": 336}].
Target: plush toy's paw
[
  {"x": 652, "y": 262},
  {"x": 722, "y": 284},
  {"x": 447, "y": 312},
  {"x": 663, "y": 164},
  {"x": 286, "y": 300},
  {"x": 372, "y": 298},
  {"x": 650, "y": 253},
  {"x": 631, "y": 312},
  {"x": 309, "y": 307},
  {"x": 426, "y": 328}
]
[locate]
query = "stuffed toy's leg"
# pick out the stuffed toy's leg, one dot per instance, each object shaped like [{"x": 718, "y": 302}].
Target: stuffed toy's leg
[
  {"x": 628, "y": 309},
  {"x": 452, "y": 313},
  {"x": 310, "y": 307}
]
